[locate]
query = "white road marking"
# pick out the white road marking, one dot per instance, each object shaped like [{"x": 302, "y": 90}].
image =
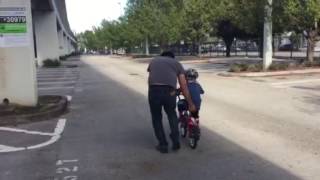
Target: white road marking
[
  {"x": 60, "y": 126},
  {"x": 56, "y": 79},
  {"x": 57, "y": 82},
  {"x": 55, "y": 88},
  {"x": 26, "y": 131},
  {"x": 69, "y": 98},
  {"x": 4, "y": 148},
  {"x": 61, "y": 162},
  {"x": 67, "y": 169},
  {"x": 54, "y": 138}
]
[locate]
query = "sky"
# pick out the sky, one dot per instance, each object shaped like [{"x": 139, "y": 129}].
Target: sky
[{"x": 84, "y": 14}]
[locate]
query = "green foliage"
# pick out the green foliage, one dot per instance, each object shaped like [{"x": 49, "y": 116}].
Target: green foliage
[
  {"x": 167, "y": 22},
  {"x": 89, "y": 40},
  {"x": 304, "y": 17},
  {"x": 197, "y": 20},
  {"x": 301, "y": 15},
  {"x": 279, "y": 67},
  {"x": 246, "y": 67}
]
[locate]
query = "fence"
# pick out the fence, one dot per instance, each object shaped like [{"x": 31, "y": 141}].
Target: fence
[{"x": 250, "y": 48}]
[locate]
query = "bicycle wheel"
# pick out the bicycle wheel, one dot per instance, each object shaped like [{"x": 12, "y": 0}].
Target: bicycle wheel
[
  {"x": 193, "y": 142},
  {"x": 183, "y": 130}
]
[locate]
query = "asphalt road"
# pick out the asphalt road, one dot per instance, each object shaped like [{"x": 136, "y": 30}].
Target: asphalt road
[{"x": 260, "y": 128}]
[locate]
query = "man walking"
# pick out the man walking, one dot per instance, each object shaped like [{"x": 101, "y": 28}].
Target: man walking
[{"x": 164, "y": 71}]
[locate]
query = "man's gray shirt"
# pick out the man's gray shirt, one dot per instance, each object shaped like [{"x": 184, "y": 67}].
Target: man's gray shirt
[{"x": 164, "y": 71}]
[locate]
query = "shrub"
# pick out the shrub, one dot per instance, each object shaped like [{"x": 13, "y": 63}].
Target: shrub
[
  {"x": 235, "y": 68},
  {"x": 63, "y": 58},
  {"x": 246, "y": 68},
  {"x": 137, "y": 56},
  {"x": 254, "y": 68},
  {"x": 310, "y": 64},
  {"x": 49, "y": 63},
  {"x": 279, "y": 66}
]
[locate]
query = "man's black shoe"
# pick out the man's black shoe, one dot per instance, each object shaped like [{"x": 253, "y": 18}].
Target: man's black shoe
[
  {"x": 162, "y": 149},
  {"x": 176, "y": 147}
]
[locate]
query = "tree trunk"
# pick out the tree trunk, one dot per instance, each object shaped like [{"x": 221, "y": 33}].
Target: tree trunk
[
  {"x": 310, "y": 49},
  {"x": 147, "y": 46},
  {"x": 228, "y": 49},
  {"x": 199, "y": 50},
  {"x": 267, "y": 36}
]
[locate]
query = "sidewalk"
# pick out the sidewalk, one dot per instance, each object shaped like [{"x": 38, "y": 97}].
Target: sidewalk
[{"x": 266, "y": 74}]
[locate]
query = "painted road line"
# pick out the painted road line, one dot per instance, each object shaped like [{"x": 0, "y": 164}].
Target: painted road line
[
  {"x": 69, "y": 98},
  {"x": 295, "y": 82},
  {"x": 4, "y": 148},
  {"x": 60, "y": 126},
  {"x": 58, "y": 131},
  {"x": 55, "y": 88},
  {"x": 57, "y": 75},
  {"x": 56, "y": 79},
  {"x": 25, "y": 131},
  {"x": 53, "y": 74},
  {"x": 58, "y": 82},
  {"x": 54, "y": 138}
]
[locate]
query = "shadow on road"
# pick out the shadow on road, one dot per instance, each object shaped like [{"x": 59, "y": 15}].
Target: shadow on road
[{"x": 110, "y": 131}]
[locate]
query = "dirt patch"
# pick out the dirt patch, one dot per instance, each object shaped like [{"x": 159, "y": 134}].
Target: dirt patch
[{"x": 48, "y": 107}]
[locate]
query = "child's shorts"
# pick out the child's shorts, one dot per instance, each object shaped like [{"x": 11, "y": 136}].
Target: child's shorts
[{"x": 195, "y": 114}]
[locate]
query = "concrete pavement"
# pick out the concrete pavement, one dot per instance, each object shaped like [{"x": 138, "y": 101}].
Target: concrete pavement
[{"x": 250, "y": 130}]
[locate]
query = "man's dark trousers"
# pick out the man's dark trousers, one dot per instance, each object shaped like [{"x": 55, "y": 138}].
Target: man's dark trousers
[{"x": 164, "y": 97}]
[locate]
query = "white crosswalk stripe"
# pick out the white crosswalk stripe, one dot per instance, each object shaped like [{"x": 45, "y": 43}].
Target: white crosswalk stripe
[{"x": 58, "y": 81}]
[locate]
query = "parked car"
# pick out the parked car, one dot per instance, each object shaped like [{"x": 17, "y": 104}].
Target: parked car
[{"x": 286, "y": 47}]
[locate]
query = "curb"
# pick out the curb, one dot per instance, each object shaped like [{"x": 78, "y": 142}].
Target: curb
[
  {"x": 266, "y": 74},
  {"x": 58, "y": 110}
]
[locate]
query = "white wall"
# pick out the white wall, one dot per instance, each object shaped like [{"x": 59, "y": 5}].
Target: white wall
[
  {"x": 46, "y": 35},
  {"x": 18, "y": 69}
]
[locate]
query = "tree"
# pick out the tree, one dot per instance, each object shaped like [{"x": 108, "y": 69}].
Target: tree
[
  {"x": 229, "y": 32},
  {"x": 303, "y": 16},
  {"x": 90, "y": 40},
  {"x": 247, "y": 17},
  {"x": 267, "y": 36},
  {"x": 156, "y": 21},
  {"x": 197, "y": 22}
]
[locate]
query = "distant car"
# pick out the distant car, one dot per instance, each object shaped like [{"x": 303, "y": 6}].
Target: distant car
[
  {"x": 286, "y": 47},
  {"x": 236, "y": 49},
  {"x": 221, "y": 48}
]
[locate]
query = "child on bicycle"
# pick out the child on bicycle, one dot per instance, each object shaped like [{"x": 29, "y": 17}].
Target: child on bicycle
[{"x": 195, "y": 89}]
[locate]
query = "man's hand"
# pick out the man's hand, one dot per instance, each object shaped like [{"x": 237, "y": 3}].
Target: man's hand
[{"x": 192, "y": 108}]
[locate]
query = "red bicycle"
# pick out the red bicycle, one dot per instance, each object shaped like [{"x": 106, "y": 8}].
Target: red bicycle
[{"x": 188, "y": 125}]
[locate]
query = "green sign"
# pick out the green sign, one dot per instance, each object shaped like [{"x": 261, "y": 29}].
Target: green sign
[{"x": 13, "y": 28}]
